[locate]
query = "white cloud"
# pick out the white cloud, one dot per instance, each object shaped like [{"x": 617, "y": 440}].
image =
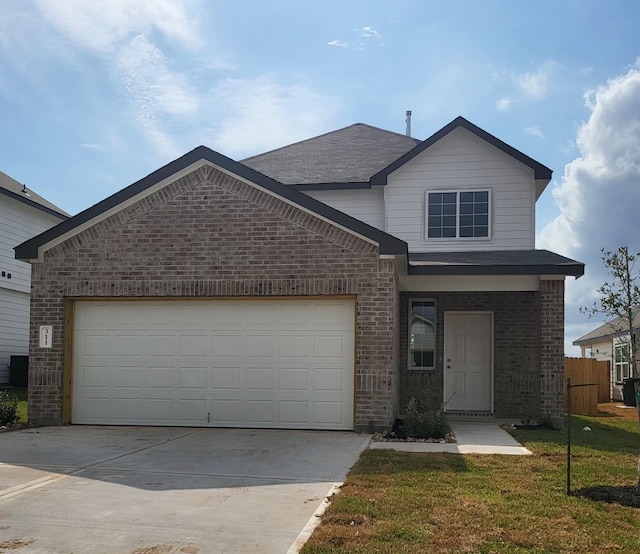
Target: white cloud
[
  {"x": 534, "y": 131},
  {"x": 339, "y": 43},
  {"x": 91, "y": 146},
  {"x": 535, "y": 84},
  {"x": 154, "y": 91},
  {"x": 124, "y": 33},
  {"x": 260, "y": 114},
  {"x": 504, "y": 104},
  {"x": 101, "y": 26},
  {"x": 370, "y": 32},
  {"x": 599, "y": 193}
]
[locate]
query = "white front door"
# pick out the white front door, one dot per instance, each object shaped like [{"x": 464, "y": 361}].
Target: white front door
[{"x": 468, "y": 361}]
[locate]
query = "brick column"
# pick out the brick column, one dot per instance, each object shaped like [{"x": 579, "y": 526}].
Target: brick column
[{"x": 552, "y": 350}]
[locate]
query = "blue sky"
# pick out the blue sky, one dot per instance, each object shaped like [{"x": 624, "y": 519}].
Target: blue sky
[{"x": 95, "y": 95}]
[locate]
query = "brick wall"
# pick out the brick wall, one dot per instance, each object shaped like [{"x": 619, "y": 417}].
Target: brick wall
[
  {"x": 552, "y": 350},
  {"x": 516, "y": 349},
  {"x": 210, "y": 235}
]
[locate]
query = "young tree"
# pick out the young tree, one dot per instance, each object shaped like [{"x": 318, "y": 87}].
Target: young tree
[{"x": 620, "y": 298}]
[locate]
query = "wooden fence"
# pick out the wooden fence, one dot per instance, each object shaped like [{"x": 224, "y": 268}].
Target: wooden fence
[{"x": 584, "y": 400}]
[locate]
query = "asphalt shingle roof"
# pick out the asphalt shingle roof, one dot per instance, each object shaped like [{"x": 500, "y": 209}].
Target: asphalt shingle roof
[
  {"x": 499, "y": 262},
  {"x": 12, "y": 188},
  {"x": 609, "y": 329},
  {"x": 349, "y": 155}
]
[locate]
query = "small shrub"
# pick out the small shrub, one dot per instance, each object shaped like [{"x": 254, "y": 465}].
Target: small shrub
[
  {"x": 8, "y": 407},
  {"x": 424, "y": 424}
]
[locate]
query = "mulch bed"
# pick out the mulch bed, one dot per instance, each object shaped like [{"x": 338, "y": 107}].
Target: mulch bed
[{"x": 625, "y": 495}]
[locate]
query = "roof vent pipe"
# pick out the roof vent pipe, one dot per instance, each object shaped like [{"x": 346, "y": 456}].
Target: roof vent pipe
[{"x": 408, "y": 123}]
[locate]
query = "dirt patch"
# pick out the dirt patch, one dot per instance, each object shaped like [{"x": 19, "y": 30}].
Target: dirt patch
[
  {"x": 617, "y": 410},
  {"x": 15, "y": 544},
  {"x": 625, "y": 496}
]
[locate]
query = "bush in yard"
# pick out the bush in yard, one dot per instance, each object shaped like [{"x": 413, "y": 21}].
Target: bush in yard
[
  {"x": 424, "y": 424},
  {"x": 8, "y": 407}
]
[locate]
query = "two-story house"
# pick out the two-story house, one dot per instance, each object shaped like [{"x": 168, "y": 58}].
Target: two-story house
[
  {"x": 23, "y": 215},
  {"x": 319, "y": 285}
]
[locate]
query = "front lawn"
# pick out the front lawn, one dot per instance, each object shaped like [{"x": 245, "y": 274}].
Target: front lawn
[{"x": 423, "y": 503}]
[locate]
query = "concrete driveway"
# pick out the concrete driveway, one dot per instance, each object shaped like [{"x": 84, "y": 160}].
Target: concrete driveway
[{"x": 142, "y": 490}]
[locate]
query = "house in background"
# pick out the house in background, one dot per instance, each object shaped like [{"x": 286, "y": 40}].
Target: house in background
[
  {"x": 316, "y": 286},
  {"x": 23, "y": 215},
  {"x": 611, "y": 343}
]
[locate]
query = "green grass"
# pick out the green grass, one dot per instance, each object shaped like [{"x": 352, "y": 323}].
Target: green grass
[
  {"x": 419, "y": 503},
  {"x": 21, "y": 394}
]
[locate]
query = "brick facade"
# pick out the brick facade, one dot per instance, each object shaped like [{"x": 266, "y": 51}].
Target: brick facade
[
  {"x": 210, "y": 235},
  {"x": 520, "y": 372},
  {"x": 552, "y": 350}
]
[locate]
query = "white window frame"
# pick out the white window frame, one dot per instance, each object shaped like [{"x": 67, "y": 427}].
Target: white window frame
[
  {"x": 620, "y": 364},
  {"x": 409, "y": 334},
  {"x": 458, "y": 237}
]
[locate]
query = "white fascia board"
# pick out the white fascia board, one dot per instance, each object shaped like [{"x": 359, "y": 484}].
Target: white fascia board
[{"x": 469, "y": 283}]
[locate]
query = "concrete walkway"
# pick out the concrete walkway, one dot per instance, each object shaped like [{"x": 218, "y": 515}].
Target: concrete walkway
[{"x": 473, "y": 438}]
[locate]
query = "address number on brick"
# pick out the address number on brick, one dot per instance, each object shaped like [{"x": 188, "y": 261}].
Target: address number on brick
[{"x": 46, "y": 336}]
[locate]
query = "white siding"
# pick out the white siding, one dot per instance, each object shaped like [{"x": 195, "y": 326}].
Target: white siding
[
  {"x": 18, "y": 223},
  {"x": 364, "y": 204},
  {"x": 14, "y": 328},
  {"x": 462, "y": 161}
]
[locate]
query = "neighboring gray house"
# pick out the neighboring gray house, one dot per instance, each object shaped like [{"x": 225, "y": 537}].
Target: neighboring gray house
[
  {"x": 609, "y": 342},
  {"x": 23, "y": 214},
  {"x": 320, "y": 285}
]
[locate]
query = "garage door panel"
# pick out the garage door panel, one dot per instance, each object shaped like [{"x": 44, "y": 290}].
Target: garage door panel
[
  {"x": 194, "y": 345},
  {"x": 193, "y": 377},
  {"x": 94, "y": 376},
  {"x": 327, "y": 413},
  {"x": 227, "y": 378},
  {"x": 329, "y": 346},
  {"x": 258, "y": 411},
  {"x": 235, "y": 363},
  {"x": 227, "y": 345},
  {"x": 161, "y": 345},
  {"x": 192, "y": 409},
  {"x": 158, "y": 411},
  {"x": 295, "y": 346},
  {"x": 259, "y": 379},
  {"x": 293, "y": 379},
  {"x": 260, "y": 346},
  {"x": 160, "y": 377},
  {"x": 293, "y": 412},
  {"x": 225, "y": 411},
  {"x": 96, "y": 345},
  {"x": 127, "y": 377},
  {"x": 328, "y": 379}
]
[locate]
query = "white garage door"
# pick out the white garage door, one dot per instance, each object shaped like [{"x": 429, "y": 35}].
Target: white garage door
[{"x": 222, "y": 363}]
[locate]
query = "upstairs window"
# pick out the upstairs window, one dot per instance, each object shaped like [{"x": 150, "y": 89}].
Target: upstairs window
[{"x": 461, "y": 214}]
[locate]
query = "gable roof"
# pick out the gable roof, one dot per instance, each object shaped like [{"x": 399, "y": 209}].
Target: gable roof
[
  {"x": 540, "y": 171},
  {"x": 360, "y": 156},
  {"x": 495, "y": 262},
  {"x": 608, "y": 330},
  {"x": 13, "y": 189},
  {"x": 31, "y": 249},
  {"x": 349, "y": 155}
]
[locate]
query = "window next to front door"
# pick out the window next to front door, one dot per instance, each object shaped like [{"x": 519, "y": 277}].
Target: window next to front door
[
  {"x": 459, "y": 214},
  {"x": 422, "y": 334}
]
